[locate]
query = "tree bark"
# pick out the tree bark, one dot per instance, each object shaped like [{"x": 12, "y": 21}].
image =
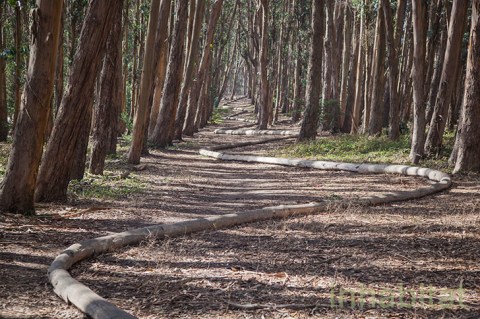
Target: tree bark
[
  {"x": 3, "y": 83},
  {"x": 194, "y": 97},
  {"x": 189, "y": 72},
  {"x": 449, "y": 74},
  {"x": 171, "y": 89},
  {"x": 437, "y": 72},
  {"x": 297, "y": 83},
  {"x": 109, "y": 98},
  {"x": 329, "y": 87},
  {"x": 347, "y": 51},
  {"x": 136, "y": 49},
  {"x": 59, "y": 77},
  {"x": 468, "y": 155},
  {"x": 18, "y": 186},
  {"x": 359, "y": 76},
  {"x": 18, "y": 62},
  {"x": 57, "y": 164},
  {"x": 264, "y": 85},
  {"x": 312, "y": 110},
  {"x": 394, "y": 118},
  {"x": 163, "y": 47},
  {"x": 146, "y": 85},
  {"x": 378, "y": 78},
  {"x": 419, "y": 48}
]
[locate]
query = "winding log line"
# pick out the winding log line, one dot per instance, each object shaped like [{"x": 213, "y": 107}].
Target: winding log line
[
  {"x": 72, "y": 291},
  {"x": 234, "y": 131}
]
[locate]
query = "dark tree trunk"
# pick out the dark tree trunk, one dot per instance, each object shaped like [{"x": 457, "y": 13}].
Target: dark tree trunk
[
  {"x": 347, "y": 51},
  {"x": 419, "y": 48},
  {"x": 57, "y": 165},
  {"x": 109, "y": 98},
  {"x": 162, "y": 47},
  {"x": 58, "y": 92},
  {"x": 312, "y": 110},
  {"x": 378, "y": 78},
  {"x": 3, "y": 83},
  {"x": 449, "y": 74},
  {"x": 264, "y": 107},
  {"x": 437, "y": 73},
  {"x": 171, "y": 88},
  {"x": 18, "y": 186},
  {"x": 189, "y": 72},
  {"x": 359, "y": 76},
  {"x": 297, "y": 83},
  {"x": 194, "y": 97},
  {"x": 146, "y": 86},
  {"x": 18, "y": 62},
  {"x": 468, "y": 154},
  {"x": 392, "y": 43}
]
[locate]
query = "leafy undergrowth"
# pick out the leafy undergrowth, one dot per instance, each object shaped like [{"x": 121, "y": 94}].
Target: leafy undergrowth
[
  {"x": 115, "y": 183},
  {"x": 218, "y": 115},
  {"x": 111, "y": 185},
  {"x": 365, "y": 149}
]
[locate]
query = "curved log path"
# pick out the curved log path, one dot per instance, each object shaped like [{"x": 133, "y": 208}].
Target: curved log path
[{"x": 73, "y": 291}]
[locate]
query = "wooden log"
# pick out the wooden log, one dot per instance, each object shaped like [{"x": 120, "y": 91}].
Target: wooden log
[
  {"x": 93, "y": 305},
  {"x": 241, "y": 119},
  {"x": 255, "y": 132}
]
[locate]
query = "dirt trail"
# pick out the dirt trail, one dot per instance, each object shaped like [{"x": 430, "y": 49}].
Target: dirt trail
[{"x": 299, "y": 263}]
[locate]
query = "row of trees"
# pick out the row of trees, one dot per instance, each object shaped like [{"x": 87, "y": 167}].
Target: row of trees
[
  {"x": 373, "y": 67},
  {"x": 94, "y": 66}
]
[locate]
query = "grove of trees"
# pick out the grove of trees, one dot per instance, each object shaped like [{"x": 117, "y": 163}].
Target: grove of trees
[{"x": 76, "y": 75}]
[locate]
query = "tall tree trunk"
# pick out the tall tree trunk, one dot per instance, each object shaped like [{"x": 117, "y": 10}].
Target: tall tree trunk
[
  {"x": 281, "y": 58},
  {"x": 3, "y": 83},
  {"x": 468, "y": 155},
  {"x": 312, "y": 110},
  {"x": 394, "y": 118},
  {"x": 437, "y": 72},
  {"x": 158, "y": 49},
  {"x": 347, "y": 51},
  {"x": 56, "y": 169},
  {"x": 235, "y": 79},
  {"x": 109, "y": 97},
  {"x": 163, "y": 47},
  {"x": 228, "y": 70},
  {"x": 59, "y": 78},
  {"x": 171, "y": 88},
  {"x": 350, "y": 98},
  {"x": 297, "y": 83},
  {"x": 18, "y": 186},
  {"x": 449, "y": 74},
  {"x": 194, "y": 97},
  {"x": 146, "y": 85},
  {"x": 359, "y": 75},
  {"x": 286, "y": 78},
  {"x": 264, "y": 85},
  {"x": 434, "y": 19},
  {"x": 419, "y": 48},
  {"x": 126, "y": 27},
  {"x": 136, "y": 48},
  {"x": 189, "y": 72},
  {"x": 378, "y": 78},
  {"x": 18, "y": 62},
  {"x": 329, "y": 103},
  {"x": 78, "y": 164}
]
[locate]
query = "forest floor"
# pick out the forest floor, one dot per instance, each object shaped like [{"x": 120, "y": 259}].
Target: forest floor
[{"x": 417, "y": 259}]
